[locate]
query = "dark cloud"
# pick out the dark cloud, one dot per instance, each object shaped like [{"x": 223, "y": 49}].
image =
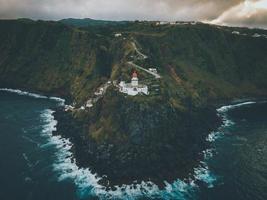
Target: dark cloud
[{"x": 200, "y": 10}]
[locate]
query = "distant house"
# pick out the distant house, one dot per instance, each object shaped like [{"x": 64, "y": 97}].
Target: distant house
[
  {"x": 89, "y": 104},
  {"x": 69, "y": 108},
  {"x": 236, "y": 32},
  {"x": 118, "y": 35},
  {"x": 161, "y": 23},
  {"x": 153, "y": 70},
  {"x": 99, "y": 92},
  {"x": 133, "y": 88}
]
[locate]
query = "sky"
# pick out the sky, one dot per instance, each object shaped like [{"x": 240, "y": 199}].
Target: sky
[{"x": 251, "y": 13}]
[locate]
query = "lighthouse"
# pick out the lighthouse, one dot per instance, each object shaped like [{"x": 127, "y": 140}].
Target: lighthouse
[
  {"x": 133, "y": 88},
  {"x": 134, "y": 81}
]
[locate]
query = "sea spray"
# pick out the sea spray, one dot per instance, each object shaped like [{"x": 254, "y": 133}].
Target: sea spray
[
  {"x": 202, "y": 172},
  {"x": 87, "y": 182},
  {"x": 224, "y": 109},
  {"x": 34, "y": 95}
]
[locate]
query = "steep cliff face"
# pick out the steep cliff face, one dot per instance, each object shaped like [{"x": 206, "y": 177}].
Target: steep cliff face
[
  {"x": 211, "y": 61},
  {"x": 121, "y": 136},
  {"x": 52, "y": 58},
  {"x": 200, "y": 62},
  {"x": 129, "y": 138}
]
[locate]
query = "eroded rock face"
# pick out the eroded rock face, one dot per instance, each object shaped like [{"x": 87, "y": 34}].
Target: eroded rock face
[{"x": 138, "y": 139}]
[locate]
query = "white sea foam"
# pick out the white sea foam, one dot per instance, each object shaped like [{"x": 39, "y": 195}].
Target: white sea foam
[
  {"x": 87, "y": 182},
  {"x": 20, "y": 92},
  {"x": 60, "y": 100},
  {"x": 226, "y": 122},
  {"x": 202, "y": 173},
  {"x": 223, "y": 114},
  {"x": 224, "y": 109},
  {"x": 34, "y": 95},
  {"x": 208, "y": 153},
  {"x": 213, "y": 136}
]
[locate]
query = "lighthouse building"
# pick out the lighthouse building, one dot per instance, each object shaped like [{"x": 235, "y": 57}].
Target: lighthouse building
[{"x": 133, "y": 88}]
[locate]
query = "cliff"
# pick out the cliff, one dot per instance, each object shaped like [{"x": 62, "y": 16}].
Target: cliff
[{"x": 157, "y": 137}]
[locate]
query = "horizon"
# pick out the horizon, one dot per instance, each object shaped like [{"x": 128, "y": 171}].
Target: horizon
[{"x": 203, "y": 22}]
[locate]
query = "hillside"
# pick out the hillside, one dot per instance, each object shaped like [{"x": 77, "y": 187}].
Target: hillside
[
  {"x": 52, "y": 58},
  {"x": 200, "y": 66},
  {"x": 86, "y": 22}
]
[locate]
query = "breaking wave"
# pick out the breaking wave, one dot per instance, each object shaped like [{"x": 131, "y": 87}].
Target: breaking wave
[
  {"x": 38, "y": 96},
  {"x": 202, "y": 172},
  {"x": 87, "y": 184},
  {"x": 224, "y": 109}
]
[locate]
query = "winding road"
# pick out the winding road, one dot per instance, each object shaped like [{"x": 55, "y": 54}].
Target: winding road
[{"x": 157, "y": 76}]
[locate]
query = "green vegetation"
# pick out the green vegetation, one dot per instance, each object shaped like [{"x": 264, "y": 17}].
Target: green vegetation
[
  {"x": 52, "y": 58},
  {"x": 200, "y": 65},
  {"x": 86, "y": 22}
]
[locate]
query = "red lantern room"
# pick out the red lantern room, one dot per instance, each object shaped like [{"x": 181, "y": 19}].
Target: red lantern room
[
  {"x": 134, "y": 79},
  {"x": 134, "y": 74}
]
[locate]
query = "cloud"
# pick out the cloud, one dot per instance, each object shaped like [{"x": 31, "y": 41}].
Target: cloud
[
  {"x": 248, "y": 13},
  {"x": 199, "y": 10}
]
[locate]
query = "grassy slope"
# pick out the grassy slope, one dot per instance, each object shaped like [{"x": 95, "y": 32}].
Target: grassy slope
[
  {"x": 52, "y": 58},
  {"x": 200, "y": 65},
  {"x": 212, "y": 63},
  {"x": 202, "y": 61}
]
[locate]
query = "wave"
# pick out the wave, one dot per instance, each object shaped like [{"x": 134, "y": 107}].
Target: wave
[
  {"x": 34, "y": 95},
  {"x": 20, "y": 92},
  {"x": 87, "y": 183},
  {"x": 224, "y": 109},
  {"x": 226, "y": 122},
  {"x": 205, "y": 175},
  {"x": 203, "y": 172}
]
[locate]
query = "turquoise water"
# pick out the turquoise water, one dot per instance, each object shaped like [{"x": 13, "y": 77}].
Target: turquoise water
[{"x": 36, "y": 165}]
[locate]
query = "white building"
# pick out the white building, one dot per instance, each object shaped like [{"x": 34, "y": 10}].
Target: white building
[
  {"x": 69, "y": 108},
  {"x": 236, "y": 32},
  {"x": 133, "y": 88},
  {"x": 99, "y": 92},
  {"x": 89, "y": 104},
  {"x": 161, "y": 23},
  {"x": 154, "y": 70},
  {"x": 118, "y": 35}
]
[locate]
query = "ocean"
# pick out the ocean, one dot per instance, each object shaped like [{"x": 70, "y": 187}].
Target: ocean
[{"x": 34, "y": 164}]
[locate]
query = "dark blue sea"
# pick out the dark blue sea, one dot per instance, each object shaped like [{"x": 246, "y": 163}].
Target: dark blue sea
[{"x": 35, "y": 165}]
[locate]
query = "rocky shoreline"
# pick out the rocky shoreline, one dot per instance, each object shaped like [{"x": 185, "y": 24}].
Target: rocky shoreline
[{"x": 130, "y": 162}]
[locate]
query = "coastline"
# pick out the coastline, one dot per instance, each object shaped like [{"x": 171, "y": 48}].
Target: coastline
[
  {"x": 198, "y": 173},
  {"x": 68, "y": 128}
]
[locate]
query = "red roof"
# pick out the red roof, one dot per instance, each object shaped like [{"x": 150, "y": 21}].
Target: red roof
[{"x": 134, "y": 74}]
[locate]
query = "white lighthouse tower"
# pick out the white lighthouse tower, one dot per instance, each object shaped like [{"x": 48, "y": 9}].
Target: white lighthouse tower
[
  {"x": 133, "y": 88},
  {"x": 134, "y": 81}
]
